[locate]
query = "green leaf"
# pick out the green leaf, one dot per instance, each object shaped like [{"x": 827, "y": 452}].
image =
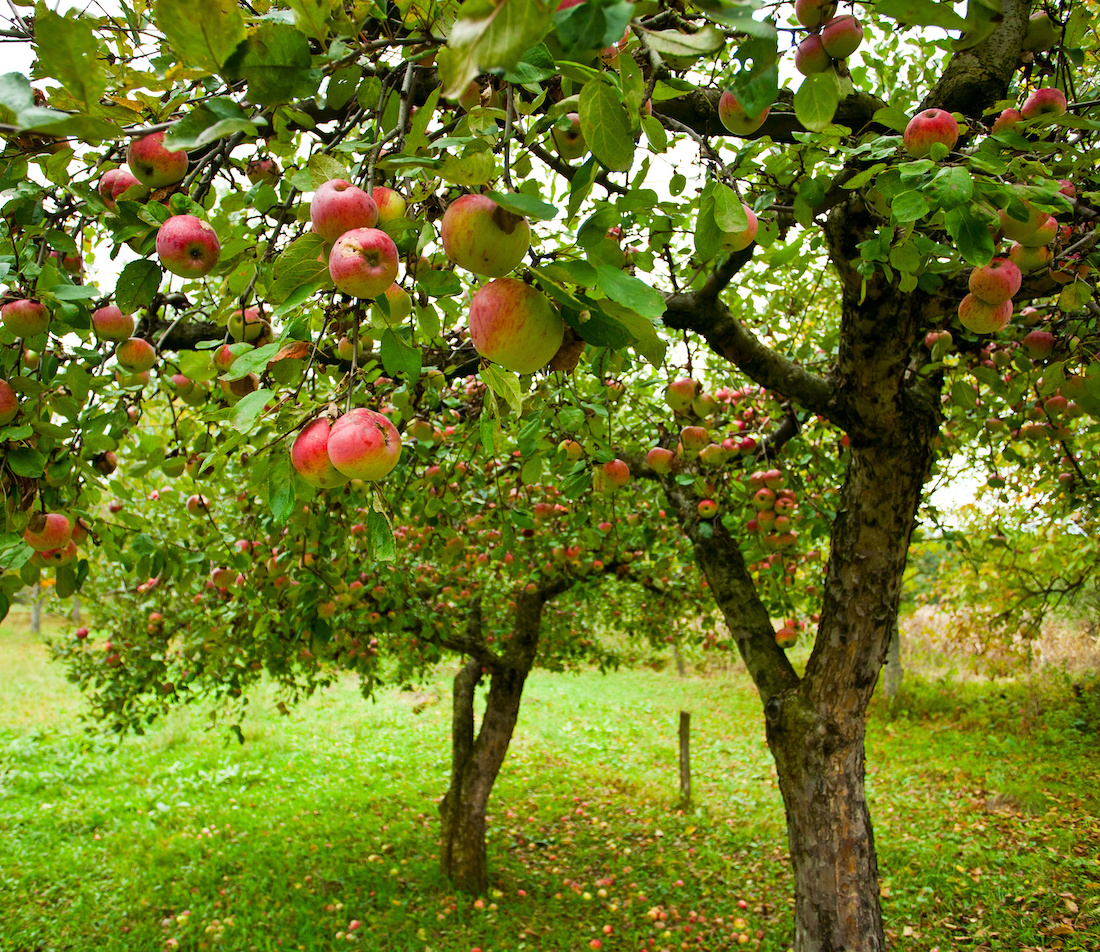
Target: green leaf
[
  {"x": 971, "y": 236},
  {"x": 591, "y": 26},
  {"x": 679, "y": 45},
  {"x": 250, "y": 359},
  {"x": 248, "y": 410},
  {"x": 275, "y": 62},
  {"x": 521, "y": 203},
  {"x": 143, "y": 544},
  {"x": 504, "y": 384},
  {"x": 382, "y": 543},
  {"x": 708, "y": 236},
  {"x": 26, "y": 461},
  {"x": 68, "y": 52},
  {"x": 215, "y": 119},
  {"x": 490, "y": 34},
  {"x": 581, "y": 185},
  {"x": 398, "y": 356},
  {"x": 205, "y": 37},
  {"x": 418, "y": 124},
  {"x": 75, "y": 292},
  {"x": 757, "y": 87},
  {"x": 280, "y": 486},
  {"x": 324, "y": 167},
  {"x": 299, "y": 266},
  {"x": 473, "y": 168},
  {"x": 921, "y": 13},
  {"x": 816, "y": 100},
  {"x": 909, "y": 206},
  {"x": 642, "y": 332},
  {"x": 535, "y": 65},
  {"x": 606, "y": 125},
  {"x": 729, "y": 211},
  {"x": 310, "y": 16},
  {"x": 630, "y": 291},
  {"x": 137, "y": 285},
  {"x": 439, "y": 283},
  {"x": 655, "y": 134}
]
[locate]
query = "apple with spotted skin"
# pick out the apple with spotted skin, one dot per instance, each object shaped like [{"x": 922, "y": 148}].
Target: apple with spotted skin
[
  {"x": 45, "y": 531},
  {"x": 338, "y": 207},
  {"x": 515, "y": 325},
  {"x": 363, "y": 444},
  {"x": 135, "y": 355},
  {"x": 484, "y": 238},
  {"x": 188, "y": 246},
  {"x": 363, "y": 262},
  {"x": 154, "y": 165}
]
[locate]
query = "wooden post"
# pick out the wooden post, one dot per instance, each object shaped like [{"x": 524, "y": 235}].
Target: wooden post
[
  {"x": 685, "y": 760},
  {"x": 36, "y": 609}
]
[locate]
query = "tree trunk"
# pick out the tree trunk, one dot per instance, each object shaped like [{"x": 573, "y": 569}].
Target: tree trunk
[
  {"x": 36, "y": 609},
  {"x": 476, "y": 761},
  {"x": 685, "y": 760},
  {"x": 893, "y": 672}
]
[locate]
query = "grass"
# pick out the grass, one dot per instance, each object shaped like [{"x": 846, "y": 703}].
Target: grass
[{"x": 985, "y": 799}]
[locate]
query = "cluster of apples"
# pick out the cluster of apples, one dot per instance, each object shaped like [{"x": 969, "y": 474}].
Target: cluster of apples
[
  {"x": 776, "y": 509},
  {"x": 831, "y": 37},
  {"x": 54, "y": 538}
]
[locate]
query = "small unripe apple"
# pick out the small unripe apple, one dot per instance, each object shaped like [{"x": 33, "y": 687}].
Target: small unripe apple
[
  {"x": 73, "y": 264},
  {"x": 1017, "y": 229},
  {"x": 363, "y": 262},
  {"x": 25, "y": 318},
  {"x": 154, "y": 165},
  {"x": 390, "y": 204},
  {"x": 247, "y": 325},
  {"x": 515, "y": 325},
  {"x": 928, "y": 127},
  {"x": 733, "y": 116},
  {"x": 188, "y": 246},
  {"x": 484, "y": 238},
  {"x": 570, "y": 141},
  {"x": 786, "y": 637},
  {"x": 338, "y": 207},
  {"x": 399, "y": 302},
  {"x": 109, "y": 323},
  {"x": 572, "y": 449},
  {"x": 841, "y": 36}
]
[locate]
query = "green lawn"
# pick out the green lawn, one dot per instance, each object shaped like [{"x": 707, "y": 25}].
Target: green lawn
[{"x": 985, "y": 799}]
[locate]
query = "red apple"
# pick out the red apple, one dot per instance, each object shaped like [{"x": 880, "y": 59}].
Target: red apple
[
  {"x": 188, "y": 246},
  {"x": 810, "y": 56},
  {"x": 152, "y": 164},
  {"x": 611, "y": 476},
  {"x": 198, "y": 505},
  {"x": 515, "y": 325},
  {"x": 995, "y": 282},
  {"x": 310, "y": 459},
  {"x": 680, "y": 394},
  {"x": 109, "y": 323},
  {"x": 733, "y": 116},
  {"x": 981, "y": 318},
  {"x": 9, "y": 403},
  {"x": 25, "y": 318},
  {"x": 363, "y": 262},
  {"x": 1030, "y": 259},
  {"x": 339, "y": 207},
  {"x": 693, "y": 439},
  {"x": 1039, "y": 344},
  {"x": 390, "y": 204},
  {"x": 1008, "y": 119},
  {"x": 484, "y": 238},
  {"x": 1046, "y": 102},
  {"x": 45, "y": 531},
  {"x": 73, "y": 264},
  {"x": 661, "y": 460},
  {"x": 364, "y": 444},
  {"x": 814, "y": 13},
  {"x": 928, "y": 127},
  {"x": 262, "y": 168},
  {"x": 135, "y": 355},
  {"x": 786, "y": 637},
  {"x": 841, "y": 36},
  {"x": 1043, "y": 235},
  {"x": 707, "y": 509},
  {"x": 739, "y": 240}
]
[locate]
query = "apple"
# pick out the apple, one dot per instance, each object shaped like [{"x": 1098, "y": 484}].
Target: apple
[
  {"x": 1046, "y": 102},
  {"x": 45, "y": 531},
  {"x": 928, "y": 127},
  {"x": 739, "y": 240},
  {"x": 611, "y": 476},
  {"x": 262, "y": 168},
  {"x": 105, "y": 463},
  {"x": 188, "y": 246},
  {"x": 55, "y": 558},
  {"x": 109, "y": 323},
  {"x": 224, "y": 578},
  {"x": 735, "y": 119},
  {"x": 1030, "y": 259},
  {"x": 152, "y": 164},
  {"x": 704, "y": 406},
  {"x": 135, "y": 355},
  {"x": 484, "y": 238},
  {"x": 363, "y": 444},
  {"x": 1043, "y": 235},
  {"x": 9, "y": 403},
  {"x": 995, "y": 282},
  {"x": 661, "y": 460},
  {"x": 363, "y": 262},
  {"x": 515, "y": 325},
  {"x": 693, "y": 439},
  {"x": 73, "y": 264},
  {"x": 1008, "y": 119},
  {"x": 680, "y": 394},
  {"x": 814, "y": 13},
  {"x": 774, "y": 479},
  {"x": 242, "y": 386},
  {"x": 1040, "y": 35},
  {"x": 572, "y": 449},
  {"x": 570, "y": 141},
  {"x": 247, "y": 325},
  {"x": 981, "y": 318},
  {"x": 310, "y": 459},
  {"x": 338, "y": 207},
  {"x": 400, "y": 305},
  {"x": 841, "y": 36},
  {"x": 707, "y": 509},
  {"x": 198, "y": 505},
  {"x": 1017, "y": 229},
  {"x": 389, "y": 203},
  {"x": 173, "y": 466},
  {"x": 1039, "y": 344},
  {"x": 810, "y": 56},
  {"x": 786, "y": 637},
  {"x": 25, "y": 318}
]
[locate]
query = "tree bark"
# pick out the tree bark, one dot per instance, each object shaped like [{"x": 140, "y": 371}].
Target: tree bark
[
  {"x": 685, "y": 760},
  {"x": 893, "y": 672}
]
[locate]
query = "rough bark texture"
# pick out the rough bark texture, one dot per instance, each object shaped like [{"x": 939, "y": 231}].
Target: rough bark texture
[{"x": 476, "y": 761}]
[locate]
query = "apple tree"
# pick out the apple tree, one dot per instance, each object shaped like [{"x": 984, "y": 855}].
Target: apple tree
[{"x": 270, "y": 251}]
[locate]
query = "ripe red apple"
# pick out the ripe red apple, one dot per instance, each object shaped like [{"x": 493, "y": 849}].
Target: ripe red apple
[
  {"x": 733, "y": 116},
  {"x": 611, "y": 476},
  {"x": 928, "y": 127},
  {"x": 9, "y": 403},
  {"x": 25, "y": 318},
  {"x": 810, "y": 56},
  {"x": 680, "y": 394},
  {"x": 45, "y": 531},
  {"x": 364, "y": 444},
  {"x": 109, "y": 323},
  {"x": 363, "y": 262},
  {"x": 188, "y": 246},
  {"x": 814, "y": 13},
  {"x": 841, "y": 36},
  {"x": 1008, "y": 119},
  {"x": 310, "y": 459},
  {"x": 262, "y": 168},
  {"x": 390, "y": 204},
  {"x": 198, "y": 505},
  {"x": 1046, "y": 102},
  {"x": 338, "y": 207},
  {"x": 661, "y": 460},
  {"x": 707, "y": 509},
  {"x": 569, "y": 142},
  {"x": 152, "y": 164},
  {"x": 786, "y": 637},
  {"x": 1039, "y": 344},
  {"x": 514, "y": 324},
  {"x": 73, "y": 264},
  {"x": 995, "y": 282},
  {"x": 981, "y": 318},
  {"x": 739, "y": 240},
  {"x": 484, "y": 238},
  {"x": 135, "y": 355}
]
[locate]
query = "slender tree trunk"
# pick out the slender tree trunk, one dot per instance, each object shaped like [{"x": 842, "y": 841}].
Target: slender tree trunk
[
  {"x": 75, "y": 614},
  {"x": 685, "y": 760},
  {"x": 36, "y": 609},
  {"x": 893, "y": 672}
]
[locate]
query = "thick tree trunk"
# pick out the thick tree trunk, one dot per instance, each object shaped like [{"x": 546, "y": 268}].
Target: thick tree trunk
[{"x": 476, "y": 761}]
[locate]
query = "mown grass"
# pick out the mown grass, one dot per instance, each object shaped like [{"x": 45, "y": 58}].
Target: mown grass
[{"x": 985, "y": 799}]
